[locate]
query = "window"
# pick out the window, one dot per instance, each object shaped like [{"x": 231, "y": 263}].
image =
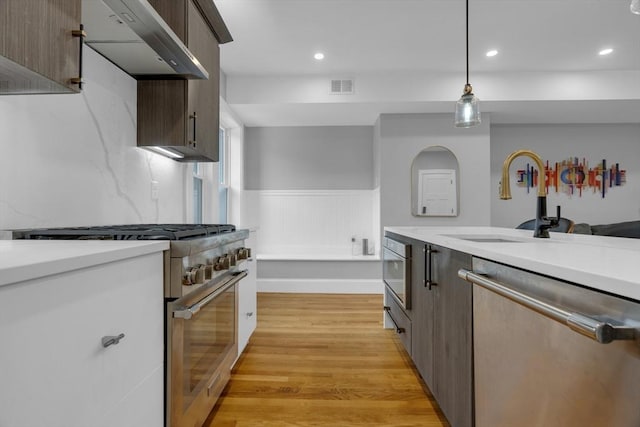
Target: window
[
  {"x": 223, "y": 187},
  {"x": 197, "y": 193}
]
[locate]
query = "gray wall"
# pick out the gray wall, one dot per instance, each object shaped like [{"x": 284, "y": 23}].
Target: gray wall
[
  {"x": 309, "y": 158},
  {"x": 616, "y": 143},
  {"x": 402, "y": 137}
]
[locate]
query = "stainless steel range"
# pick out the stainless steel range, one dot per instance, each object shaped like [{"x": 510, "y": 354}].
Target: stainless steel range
[{"x": 202, "y": 270}]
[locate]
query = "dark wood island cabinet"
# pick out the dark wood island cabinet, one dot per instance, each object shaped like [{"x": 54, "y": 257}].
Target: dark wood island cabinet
[
  {"x": 452, "y": 335},
  {"x": 441, "y": 327}
]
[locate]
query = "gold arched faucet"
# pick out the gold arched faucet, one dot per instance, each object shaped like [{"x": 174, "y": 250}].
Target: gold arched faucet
[{"x": 543, "y": 223}]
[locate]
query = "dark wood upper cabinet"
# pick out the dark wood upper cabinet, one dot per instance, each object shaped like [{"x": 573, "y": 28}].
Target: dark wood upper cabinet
[
  {"x": 40, "y": 46},
  {"x": 182, "y": 116}
]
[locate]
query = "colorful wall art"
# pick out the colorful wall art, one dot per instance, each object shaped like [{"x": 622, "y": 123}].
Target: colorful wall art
[{"x": 573, "y": 176}]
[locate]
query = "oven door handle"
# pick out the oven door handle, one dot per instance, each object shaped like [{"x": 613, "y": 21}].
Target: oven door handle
[{"x": 189, "y": 312}]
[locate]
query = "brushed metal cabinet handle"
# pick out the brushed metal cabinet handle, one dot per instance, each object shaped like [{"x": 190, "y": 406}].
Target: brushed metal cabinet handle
[
  {"x": 81, "y": 34},
  {"x": 111, "y": 340}
]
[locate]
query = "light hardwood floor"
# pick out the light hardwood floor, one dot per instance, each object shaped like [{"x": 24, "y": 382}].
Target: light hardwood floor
[{"x": 324, "y": 360}]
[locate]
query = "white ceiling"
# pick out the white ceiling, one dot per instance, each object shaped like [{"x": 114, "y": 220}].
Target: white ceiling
[{"x": 277, "y": 38}]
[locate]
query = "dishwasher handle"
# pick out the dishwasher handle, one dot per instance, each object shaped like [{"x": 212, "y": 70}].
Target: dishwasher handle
[{"x": 595, "y": 329}]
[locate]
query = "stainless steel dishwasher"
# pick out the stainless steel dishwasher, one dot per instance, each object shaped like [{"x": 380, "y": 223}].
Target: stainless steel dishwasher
[{"x": 551, "y": 353}]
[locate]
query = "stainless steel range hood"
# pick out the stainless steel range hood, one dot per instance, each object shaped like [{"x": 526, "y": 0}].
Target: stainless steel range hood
[{"x": 132, "y": 35}]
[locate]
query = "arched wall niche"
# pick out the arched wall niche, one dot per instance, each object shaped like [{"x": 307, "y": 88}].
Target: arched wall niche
[{"x": 434, "y": 183}]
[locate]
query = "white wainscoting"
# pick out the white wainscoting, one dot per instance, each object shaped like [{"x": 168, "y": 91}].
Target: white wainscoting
[
  {"x": 315, "y": 225},
  {"x": 315, "y": 221}
]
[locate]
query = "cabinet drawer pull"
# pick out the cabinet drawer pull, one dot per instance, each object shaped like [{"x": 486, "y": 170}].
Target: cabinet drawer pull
[
  {"x": 398, "y": 328},
  {"x": 111, "y": 340},
  {"x": 81, "y": 34}
]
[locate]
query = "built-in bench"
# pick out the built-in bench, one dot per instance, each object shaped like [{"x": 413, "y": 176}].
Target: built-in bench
[{"x": 319, "y": 273}]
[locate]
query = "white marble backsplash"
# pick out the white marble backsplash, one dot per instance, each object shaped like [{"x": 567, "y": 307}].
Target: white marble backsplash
[{"x": 72, "y": 160}]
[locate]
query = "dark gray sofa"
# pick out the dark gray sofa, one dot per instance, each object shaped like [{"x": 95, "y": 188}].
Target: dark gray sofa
[{"x": 629, "y": 229}]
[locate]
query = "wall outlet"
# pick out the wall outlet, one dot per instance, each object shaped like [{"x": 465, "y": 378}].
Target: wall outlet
[{"x": 155, "y": 190}]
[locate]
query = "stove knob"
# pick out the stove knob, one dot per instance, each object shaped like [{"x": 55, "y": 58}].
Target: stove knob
[
  {"x": 200, "y": 273},
  {"x": 189, "y": 277},
  {"x": 208, "y": 271},
  {"x": 222, "y": 263},
  {"x": 193, "y": 276},
  {"x": 233, "y": 259},
  {"x": 226, "y": 262},
  {"x": 244, "y": 253}
]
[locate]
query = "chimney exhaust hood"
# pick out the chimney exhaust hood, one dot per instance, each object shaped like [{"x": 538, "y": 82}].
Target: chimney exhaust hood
[{"x": 132, "y": 35}]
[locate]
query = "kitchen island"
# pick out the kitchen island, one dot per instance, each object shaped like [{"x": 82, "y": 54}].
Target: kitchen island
[
  {"x": 501, "y": 324},
  {"x": 81, "y": 326},
  {"x": 606, "y": 264}
]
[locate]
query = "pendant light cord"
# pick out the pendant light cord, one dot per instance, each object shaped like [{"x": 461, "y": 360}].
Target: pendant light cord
[{"x": 467, "y": 41}]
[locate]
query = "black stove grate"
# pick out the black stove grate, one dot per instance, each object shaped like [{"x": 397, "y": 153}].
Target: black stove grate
[{"x": 130, "y": 232}]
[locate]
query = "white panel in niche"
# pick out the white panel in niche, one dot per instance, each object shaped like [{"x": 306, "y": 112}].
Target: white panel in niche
[
  {"x": 313, "y": 221},
  {"x": 437, "y": 194}
]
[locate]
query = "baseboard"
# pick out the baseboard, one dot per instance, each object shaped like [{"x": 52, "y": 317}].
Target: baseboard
[{"x": 321, "y": 286}]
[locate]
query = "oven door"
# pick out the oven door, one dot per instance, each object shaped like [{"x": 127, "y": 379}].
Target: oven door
[
  {"x": 201, "y": 348},
  {"x": 396, "y": 273}
]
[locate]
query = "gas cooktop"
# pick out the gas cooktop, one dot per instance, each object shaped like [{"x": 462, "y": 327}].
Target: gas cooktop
[{"x": 127, "y": 232}]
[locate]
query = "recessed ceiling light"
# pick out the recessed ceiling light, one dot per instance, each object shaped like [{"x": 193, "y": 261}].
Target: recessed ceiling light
[
  {"x": 605, "y": 51},
  {"x": 319, "y": 56},
  {"x": 492, "y": 52}
]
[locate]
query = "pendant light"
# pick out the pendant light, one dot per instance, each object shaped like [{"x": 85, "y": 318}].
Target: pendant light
[
  {"x": 468, "y": 106},
  {"x": 635, "y": 7}
]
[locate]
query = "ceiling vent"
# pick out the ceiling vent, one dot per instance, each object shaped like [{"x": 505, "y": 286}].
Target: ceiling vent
[{"x": 341, "y": 87}]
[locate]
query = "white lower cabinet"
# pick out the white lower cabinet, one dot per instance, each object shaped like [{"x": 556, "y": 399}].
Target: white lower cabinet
[
  {"x": 139, "y": 407},
  {"x": 247, "y": 304},
  {"x": 55, "y": 371}
]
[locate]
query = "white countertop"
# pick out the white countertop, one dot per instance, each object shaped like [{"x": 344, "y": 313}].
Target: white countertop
[
  {"x": 30, "y": 259},
  {"x": 608, "y": 264}
]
